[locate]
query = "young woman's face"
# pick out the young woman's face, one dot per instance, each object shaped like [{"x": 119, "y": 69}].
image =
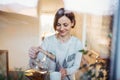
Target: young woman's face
[{"x": 64, "y": 26}]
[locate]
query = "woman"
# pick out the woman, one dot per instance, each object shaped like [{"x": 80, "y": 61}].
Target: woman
[{"x": 62, "y": 48}]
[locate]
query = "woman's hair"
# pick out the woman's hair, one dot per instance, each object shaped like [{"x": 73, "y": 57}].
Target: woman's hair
[{"x": 62, "y": 12}]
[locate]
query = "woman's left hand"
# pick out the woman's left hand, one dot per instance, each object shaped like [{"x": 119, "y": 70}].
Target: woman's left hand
[{"x": 63, "y": 72}]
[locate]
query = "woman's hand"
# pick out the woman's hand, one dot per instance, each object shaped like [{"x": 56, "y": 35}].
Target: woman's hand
[
  {"x": 63, "y": 72},
  {"x": 33, "y": 51}
]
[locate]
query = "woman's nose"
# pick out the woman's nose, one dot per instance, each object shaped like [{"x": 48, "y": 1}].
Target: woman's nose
[{"x": 61, "y": 28}]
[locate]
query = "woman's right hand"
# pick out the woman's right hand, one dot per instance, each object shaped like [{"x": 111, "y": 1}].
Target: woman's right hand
[{"x": 33, "y": 51}]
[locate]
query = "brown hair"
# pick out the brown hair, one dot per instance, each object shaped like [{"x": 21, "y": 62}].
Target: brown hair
[{"x": 62, "y": 12}]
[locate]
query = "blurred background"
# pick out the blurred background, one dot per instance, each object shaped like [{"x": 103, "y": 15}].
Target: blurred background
[{"x": 24, "y": 23}]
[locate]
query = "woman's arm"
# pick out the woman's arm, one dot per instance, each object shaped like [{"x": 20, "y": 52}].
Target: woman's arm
[
  {"x": 77, "y": 59},
  {"x": 76, "y": 64}
]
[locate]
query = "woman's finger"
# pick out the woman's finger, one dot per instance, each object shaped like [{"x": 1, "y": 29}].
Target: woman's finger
[{"x": 33, "y": 52}]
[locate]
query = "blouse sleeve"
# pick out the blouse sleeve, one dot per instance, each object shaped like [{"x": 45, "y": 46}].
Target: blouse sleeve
[
  {"x": 44, "y": 46},
  {"x": 77, "y": 60}
]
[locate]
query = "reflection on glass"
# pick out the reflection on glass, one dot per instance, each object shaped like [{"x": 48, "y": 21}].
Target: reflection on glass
[{"x": 39, "y": 70}]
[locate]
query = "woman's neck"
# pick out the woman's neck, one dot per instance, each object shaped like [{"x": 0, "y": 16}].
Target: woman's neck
[{"x": 63, "y": 38}]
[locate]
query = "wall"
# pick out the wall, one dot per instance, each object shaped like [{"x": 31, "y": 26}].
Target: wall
[
  {"x": 17, "y": 34},
  {"x": 77, "y": 30}
]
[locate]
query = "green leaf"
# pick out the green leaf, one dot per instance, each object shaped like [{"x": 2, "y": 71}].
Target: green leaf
[
  {"x": 2, "y": 77},
  {"x": 84, "y": 51}
]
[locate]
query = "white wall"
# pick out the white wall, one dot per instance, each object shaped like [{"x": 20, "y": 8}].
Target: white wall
[{"x": 17, "y": 34}]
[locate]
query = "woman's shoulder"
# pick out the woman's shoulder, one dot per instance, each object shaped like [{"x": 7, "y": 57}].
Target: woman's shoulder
[
  {"x": 77, "y": 42},
  {"x": 51, "y": 37},
  {"x": 76, "y": 38}
]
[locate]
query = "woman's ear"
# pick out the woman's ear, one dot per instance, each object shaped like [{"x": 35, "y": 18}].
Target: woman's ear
[{"x": 72, "y": 24}]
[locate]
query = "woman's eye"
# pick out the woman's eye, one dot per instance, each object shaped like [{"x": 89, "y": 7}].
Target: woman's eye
[
  {"x": 65, "y": 25},
  {"x": 58, "y": 24}
]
